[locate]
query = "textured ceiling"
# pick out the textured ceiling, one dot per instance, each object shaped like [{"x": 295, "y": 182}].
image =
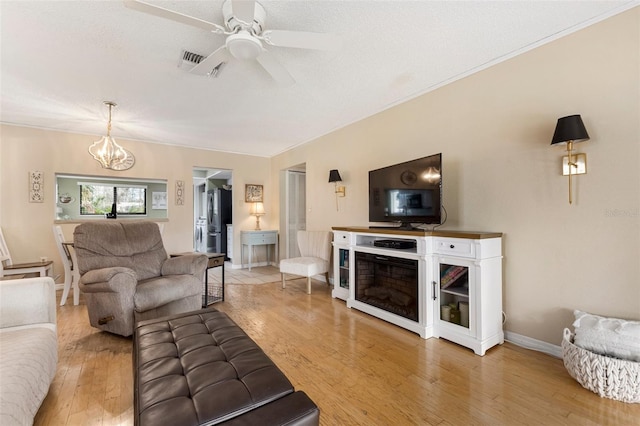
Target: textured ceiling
[{"x": 61, "y": 60}]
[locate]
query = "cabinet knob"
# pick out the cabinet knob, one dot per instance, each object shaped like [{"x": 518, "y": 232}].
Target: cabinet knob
[{"x": 451, "y": 246}]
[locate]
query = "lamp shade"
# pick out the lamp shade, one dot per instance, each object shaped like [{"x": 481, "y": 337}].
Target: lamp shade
[
  {"x": 257, "y": 209},
  {"x": 334, "y": 176},
  {"x": 570, "y": 128}
]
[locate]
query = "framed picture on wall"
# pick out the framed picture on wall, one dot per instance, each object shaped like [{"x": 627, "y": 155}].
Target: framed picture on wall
[
  {"x": 158, "y": 200},
  {"x": 36, "y": 187},
  {"x": 179, "y": 192},
  {"x": 253, "y": 193}
]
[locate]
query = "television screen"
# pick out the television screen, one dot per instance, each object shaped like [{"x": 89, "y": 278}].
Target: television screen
[{"x": 407, "y": 193}]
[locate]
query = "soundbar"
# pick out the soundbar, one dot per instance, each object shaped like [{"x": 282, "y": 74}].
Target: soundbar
[{"x": 395, "y": 244}]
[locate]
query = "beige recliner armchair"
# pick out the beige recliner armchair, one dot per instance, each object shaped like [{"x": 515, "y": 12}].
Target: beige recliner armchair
[{"x": 127, "y": 277}]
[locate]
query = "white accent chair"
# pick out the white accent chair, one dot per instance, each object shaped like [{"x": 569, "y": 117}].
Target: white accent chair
[
  {"x": 71, "y": 275},
  {"x": 315, "y": 250},
  {"x": 7, "y": 267}
]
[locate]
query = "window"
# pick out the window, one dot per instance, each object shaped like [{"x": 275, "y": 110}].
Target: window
[
  {"x": 97, "y": 199},
  {"x": 84, "y": 197}
]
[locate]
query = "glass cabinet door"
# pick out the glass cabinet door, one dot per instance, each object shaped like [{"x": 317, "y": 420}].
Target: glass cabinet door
[
  {"x": 344, "y": 268},
  {"x": 454, "y": 293}
]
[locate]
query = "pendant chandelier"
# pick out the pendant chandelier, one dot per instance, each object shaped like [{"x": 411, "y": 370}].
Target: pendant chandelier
[{"x": 108, "y": 153}]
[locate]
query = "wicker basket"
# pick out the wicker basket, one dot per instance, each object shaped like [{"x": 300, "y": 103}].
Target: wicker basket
[{"x": 608, "y": 377}]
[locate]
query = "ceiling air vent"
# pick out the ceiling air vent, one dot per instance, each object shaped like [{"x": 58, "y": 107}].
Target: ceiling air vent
[{"x": 190, "y": 59}]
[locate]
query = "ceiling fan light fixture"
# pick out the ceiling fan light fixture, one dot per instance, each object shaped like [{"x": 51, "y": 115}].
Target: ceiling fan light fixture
[
  {"x": 243, "y": 46},
  {"x": 233, "y": 23},
  {"x": 244, "y": 26}
]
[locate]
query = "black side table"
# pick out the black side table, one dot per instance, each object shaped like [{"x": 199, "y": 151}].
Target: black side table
[{"x": 211, "y": 294}]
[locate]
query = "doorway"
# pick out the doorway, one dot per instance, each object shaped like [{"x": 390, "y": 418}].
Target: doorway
[
  {"x": 295, "y": 207},
  {"x": 212, "y": 211}
]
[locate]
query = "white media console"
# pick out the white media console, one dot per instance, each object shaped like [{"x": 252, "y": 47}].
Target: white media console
[{"x": 444, "y": 284}]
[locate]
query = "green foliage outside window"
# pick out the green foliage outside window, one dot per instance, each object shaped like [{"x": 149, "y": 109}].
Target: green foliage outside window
[{"x": 97, "y": 199}]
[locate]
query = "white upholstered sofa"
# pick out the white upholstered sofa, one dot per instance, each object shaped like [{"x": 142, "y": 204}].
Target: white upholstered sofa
[{"x": 28, "y": 347}]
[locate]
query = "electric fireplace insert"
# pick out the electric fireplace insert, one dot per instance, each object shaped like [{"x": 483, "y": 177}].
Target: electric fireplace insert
[{"x": 389, "y": 283}]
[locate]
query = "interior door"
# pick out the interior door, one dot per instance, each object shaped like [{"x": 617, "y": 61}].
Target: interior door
[
  {"x": 296, "y": 209},
  {"x": 199, "y": 214}
]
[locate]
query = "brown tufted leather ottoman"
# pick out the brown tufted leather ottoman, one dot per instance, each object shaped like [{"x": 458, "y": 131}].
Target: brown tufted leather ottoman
[{"x": 200, "y": 368}]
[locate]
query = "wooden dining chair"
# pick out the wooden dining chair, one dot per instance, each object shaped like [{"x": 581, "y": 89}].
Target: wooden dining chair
[
  {"x": 7, "y": 267},
  {"x": 71, "y": 275}
]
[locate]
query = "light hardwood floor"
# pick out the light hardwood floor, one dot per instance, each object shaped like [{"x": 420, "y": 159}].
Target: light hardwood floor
[{"x": 358, "y": 369}]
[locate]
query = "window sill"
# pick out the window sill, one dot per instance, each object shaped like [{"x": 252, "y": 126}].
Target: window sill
[{"x": 126, "y": 218}]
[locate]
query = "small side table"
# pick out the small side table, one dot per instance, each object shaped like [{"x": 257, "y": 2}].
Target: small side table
[
  {"x": 258, "y": 238},
  {"x": 12, "y": 277},
  {"x": 215, "y": 293}
]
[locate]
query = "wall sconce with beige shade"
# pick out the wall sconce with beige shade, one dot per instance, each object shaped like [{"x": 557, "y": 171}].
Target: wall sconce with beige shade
[
  {"x": 334, "y": 176},
  {"x": 257, "y": 210},
  {"x": 570, "y": 130}
]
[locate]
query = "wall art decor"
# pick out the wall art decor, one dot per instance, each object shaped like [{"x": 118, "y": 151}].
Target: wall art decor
[
  {"x": 253, "y": 194},
  {"x": 36, "y": 187},
  {"x": 158, "y": 200},
  {"x": 179, "y": 192}
]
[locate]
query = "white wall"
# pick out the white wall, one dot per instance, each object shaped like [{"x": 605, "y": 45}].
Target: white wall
[
  {"x": 28, "y": 226},
  {"x": 494, "y": 129}
]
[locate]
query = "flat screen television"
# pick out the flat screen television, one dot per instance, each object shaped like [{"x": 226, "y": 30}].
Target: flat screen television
[{"x": 408, "y": 193}]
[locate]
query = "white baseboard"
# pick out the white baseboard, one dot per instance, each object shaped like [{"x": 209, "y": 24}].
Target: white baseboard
[
  {"x": 253, "y": 265},
  {"x": 533, "y": 344}
]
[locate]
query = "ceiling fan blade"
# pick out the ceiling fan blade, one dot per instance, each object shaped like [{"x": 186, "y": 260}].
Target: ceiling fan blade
[
  {"x": 173, "y": 16},
  {"x": 277, "y": 71},
  {"x": 302, "y": 39},
  {"x": 244, "y": 10},
  {"x": 210, "y": 62}
]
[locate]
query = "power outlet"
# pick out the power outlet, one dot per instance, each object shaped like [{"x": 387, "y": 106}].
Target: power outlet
[{"x": 43, "y": 259}]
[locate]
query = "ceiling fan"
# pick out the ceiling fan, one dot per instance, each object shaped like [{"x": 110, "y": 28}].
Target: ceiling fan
[{"x": 244, "y": 22}]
